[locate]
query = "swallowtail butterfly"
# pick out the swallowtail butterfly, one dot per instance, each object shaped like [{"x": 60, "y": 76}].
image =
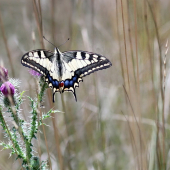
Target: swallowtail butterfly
[{"x": 64, "y": 71}]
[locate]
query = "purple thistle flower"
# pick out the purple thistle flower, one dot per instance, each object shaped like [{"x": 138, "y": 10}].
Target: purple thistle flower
[
  {"x": 3, "y": 74},
  {"x": 7, "y": 89},
  {"x": 34, "y": 73}
]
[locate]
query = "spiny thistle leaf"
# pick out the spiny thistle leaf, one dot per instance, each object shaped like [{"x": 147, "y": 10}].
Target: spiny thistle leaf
[
  {"x": 48, "y": 114},
  {"x": 43, "y": 86},
  {"x": 15, "y": 82},
  {"x": 6, "y": 146}
]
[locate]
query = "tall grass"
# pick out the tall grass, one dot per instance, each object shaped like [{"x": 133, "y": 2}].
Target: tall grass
[{"x": 121, "y": 119}]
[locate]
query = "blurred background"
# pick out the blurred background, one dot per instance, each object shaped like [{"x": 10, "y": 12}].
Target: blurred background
[{"x": 121, "y": 119}]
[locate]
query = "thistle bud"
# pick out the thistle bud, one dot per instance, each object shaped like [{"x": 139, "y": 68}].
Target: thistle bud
[
  {"x": 3, "y": 74},
  {"x": 7, "y": 89},
  {"x": 34, "y": 73}
]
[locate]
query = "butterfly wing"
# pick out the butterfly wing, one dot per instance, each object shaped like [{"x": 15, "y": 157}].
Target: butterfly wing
[
  {"x": 38, "y": 60},
  {"x": 44, "y": 62},
  {"x": 74, "y": 65},
  {"x": 78, "y": 64},
  {"x": 84, "y": 63}
]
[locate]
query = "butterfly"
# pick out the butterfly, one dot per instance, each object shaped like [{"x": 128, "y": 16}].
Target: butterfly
[{"x": 63, "y": 71}]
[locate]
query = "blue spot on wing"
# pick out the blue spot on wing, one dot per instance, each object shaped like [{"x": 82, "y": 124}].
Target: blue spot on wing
[
  {"x": 66, "y": 83},
  {"x": 50, "y": 79},
  {"x": 71, "y": 83},
  {"x": 55, "y": 83},
  {"x": 75, "y": 78}
]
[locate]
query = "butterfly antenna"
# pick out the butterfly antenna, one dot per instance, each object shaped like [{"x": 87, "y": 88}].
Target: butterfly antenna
[
  {"x": 49, "y": 41},
  {"x": 64, "y": 42},
  {"x": 53, "y": 44}
]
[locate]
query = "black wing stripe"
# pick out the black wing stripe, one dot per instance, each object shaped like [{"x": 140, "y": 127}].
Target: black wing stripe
[
  {"x": 91, "y": 57},
  {"x": 34, "y": 65},
  {"x": 38, "y": 60},
  {"x": 82, "y": 72},
  {"x": 39, "y": 53},
  {"x": 81, "y": 55}
]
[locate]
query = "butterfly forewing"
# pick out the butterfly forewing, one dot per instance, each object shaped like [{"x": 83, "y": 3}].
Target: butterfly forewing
[
  {"x": 64, "y": 71},
  {"x": 84, "y": 63},
  {"x": 38, "y": 60}
]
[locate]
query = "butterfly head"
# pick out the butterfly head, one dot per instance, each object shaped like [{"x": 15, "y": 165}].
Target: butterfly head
[{"x": 57, "y": 51}]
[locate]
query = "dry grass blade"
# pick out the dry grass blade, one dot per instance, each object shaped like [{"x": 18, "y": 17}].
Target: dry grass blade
[
  {"x": 124, "y": 36},
  {"x": 164, "y": 76},
  {"x": 39, "y": 22},
  {"x": 6, "y": 45}
]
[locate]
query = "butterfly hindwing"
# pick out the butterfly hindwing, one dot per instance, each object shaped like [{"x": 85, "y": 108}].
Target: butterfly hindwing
[
  {"x": 78, "y": 64},
  {"x": 64, "y": 71},
  {"x": 68, "y": 82}
]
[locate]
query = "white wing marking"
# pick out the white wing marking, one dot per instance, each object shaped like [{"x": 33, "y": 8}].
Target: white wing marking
[
  {"x": 78, "y": 56},
  {"x": 37, "y": 60},
  {"x": 52, "y": 67},
  {"x": 42, "y": 54},
  {"x": 94, "y": 59},
  {"x": 36, "y": 54},
  {"x": 48, "y": 64},
  {"x": 71, "y": 66},
  {"x": 87, "y": 62},
  {"x": 79, "y": 64},
  {"x": 83, "y": 63},
  {"x": 95, "y": 56},
  {"x": 74, "y": 64},
  {"x": 67, "y": 67},
  {"x": 30, "y": 54},
  {"x": 41, "y": 62},
  {"x": 87, "y": 56}
]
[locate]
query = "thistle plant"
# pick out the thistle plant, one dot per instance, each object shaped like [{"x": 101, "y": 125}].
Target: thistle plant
[{"x": 22, "y": 132}]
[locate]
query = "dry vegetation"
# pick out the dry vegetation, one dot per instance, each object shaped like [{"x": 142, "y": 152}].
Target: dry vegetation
[{"x": 121, "y": 119}]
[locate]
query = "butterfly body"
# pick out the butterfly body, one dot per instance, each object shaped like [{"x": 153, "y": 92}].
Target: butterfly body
[{"x": 64, "y": 71}]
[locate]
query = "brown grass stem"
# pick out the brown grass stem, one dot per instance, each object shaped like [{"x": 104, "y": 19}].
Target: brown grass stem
[
  {"x": 119, "y": 41},
  {"x": 127, "y": 68},
  {"x": 67, "y": 130},
  {"x": 56, "y": 132},
  {"x": 161, "y": 81},
  {"x": 6, "y": 46},
  {"x": 136, "y": 48},
  {"x": 39, "y": 23},
  {"x": 130, "y": 38},
  {"x": 137, "y": 123},
  {"x": 164, "y": 76},
  {"x": 135, "y": 151},
  {"x": 151, "y": 58},
  {"x": 53, "y": 27}
]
